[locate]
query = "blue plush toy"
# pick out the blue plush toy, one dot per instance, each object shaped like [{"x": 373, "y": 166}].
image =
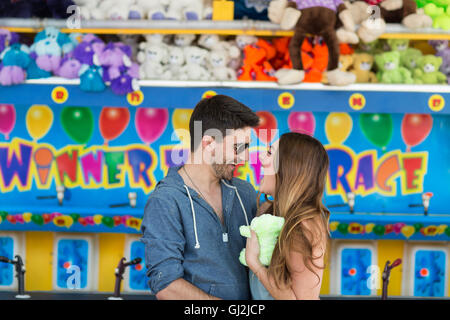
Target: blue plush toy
[
  {"x": 91, "y": 78},
  {"x": 15, "y": 59}
]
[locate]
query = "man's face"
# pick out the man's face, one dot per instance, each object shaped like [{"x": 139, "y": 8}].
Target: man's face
[{"x": 233, "y": 150}]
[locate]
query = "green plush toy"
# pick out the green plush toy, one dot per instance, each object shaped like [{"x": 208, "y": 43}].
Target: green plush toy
[
  {"x": 410, "y": 59},
  {"x": 267, "y": 228},
  {"x": 438, "y": 3},
  {"x": 390, "y": 71},
  {"x": 428, "y": 71},
  {"x": 400, "y": 45},
  {"x": 439, "y": 14}
]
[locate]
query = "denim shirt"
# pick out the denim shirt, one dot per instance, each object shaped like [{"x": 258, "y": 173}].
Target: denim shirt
[{"x": 184, "y": 237}]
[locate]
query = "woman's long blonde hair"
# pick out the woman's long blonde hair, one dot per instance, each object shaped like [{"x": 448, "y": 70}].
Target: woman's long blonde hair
[{"x": 301, "y": 171}]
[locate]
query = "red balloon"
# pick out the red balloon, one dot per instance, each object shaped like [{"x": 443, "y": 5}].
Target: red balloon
[
  {"x": 113, "y": 122},
  {"x": 267, "y": 123},
  {"x": 416, "y": 128}
]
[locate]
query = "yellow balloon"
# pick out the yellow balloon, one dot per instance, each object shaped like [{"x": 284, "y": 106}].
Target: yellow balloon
[
  {"x": 333, "y": 226},
  {"x": 180, "y": 122},
  {"x": 369, "y": 227},
  {"x": 408, "y": 231},
  {"x": 27, "y": 217},
  {"x": 39, "y": 120},
  {"x": 338, "y": 127},
  {"x": 69, "y": 221},
  {"x": 98, "y": 218}
]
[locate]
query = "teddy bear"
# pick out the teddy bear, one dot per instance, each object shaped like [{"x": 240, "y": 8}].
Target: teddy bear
[
  {"x": 362, "y": 66},
  {"x": 400, "y": 45},
  {"x": 15, "y": 60},
  {"x": 410, "y": 58},
  {"x": 184, "y": 40},
  {"x": 390, "y": 71},
  {"x": 218, "y": 63},
  {"x": 214, "y": 42},
  {"x": 390, "y": 11},
  {"x": 189, "y": 9},
  {"x": 267, "y": 228},
  {"x": 151, "y": 10},
  {"x": 345, "y": 64},
  {"x": 445, "y": 67},
  {"x": 428, "y": 71},
  {"x": 441, "y": 47},
  {"x": 176, "y": 60},
  {"x": 196, "y": 64},
  {"x": 439, "y": 15},
  {"x": 153, "y": 61},
  {"x": 312, "y": 17}
]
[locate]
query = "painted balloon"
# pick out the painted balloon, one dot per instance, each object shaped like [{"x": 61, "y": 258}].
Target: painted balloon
[
  {"x": 180, "y": 123},
  {"x": 338, "y": 127},
  {"x": 113, "y": 122},
  {"x": 302, "y": 122},
  {"x": 7, "y": 119},
  {"x": 377, "y": 128},
  {"x": 267, "y": 126},
  {"x": 78, "y": 123},
  {"x": 39, "y": 120},
  {"x": 151, "y": 123},
  {"x": 415, "y": 129}
]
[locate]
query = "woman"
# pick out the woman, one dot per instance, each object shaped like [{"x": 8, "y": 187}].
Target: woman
[{"x": 295, "y": 170}]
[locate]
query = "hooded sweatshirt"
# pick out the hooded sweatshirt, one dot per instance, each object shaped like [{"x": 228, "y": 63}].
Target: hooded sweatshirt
[{"x": 184, "y": 237}]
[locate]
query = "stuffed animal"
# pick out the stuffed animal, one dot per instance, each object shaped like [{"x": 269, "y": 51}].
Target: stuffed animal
[
  {"x": 428, "y": 71},
  {"x": 441, "y": 47},
  {"x": 345, "y": 64},
  {"x": 196, "y": 62},
  {"x": 400, "y": 45},
  {"x": 445, "y": 67},
  {"x": 69, "y": 67},
  {"x": 391, "y": 11},
  {"x": 439, "y": 15},
  {"x": 152, "y": 10},
  {"x": 153, "y": 61},
  {"x": 15, "y": 59},
  {"x": 255, "y": 63},
  {"x": 267, "y": 228},
  {"x": 176, "y": 61},
  {"x": 184, "y": 40},
  {"x": 87, "y": 48},
  {"x": 214, "y": 42},
  {"x": 315, "y": 17},
  {"x": 189, "y": 9},
  {"x": 114, "y": 56},
  {"x": 362, "y": 66},
  {"x": 91, "y": 78},
  {"x": 218, "y": 63},
  {"x": 410, "y": 58},
  {"x": 390, "y": 71},
  {"x": 49, "y": 46}
]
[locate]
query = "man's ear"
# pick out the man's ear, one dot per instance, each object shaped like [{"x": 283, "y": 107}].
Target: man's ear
[{"x": 208, "y": 143}]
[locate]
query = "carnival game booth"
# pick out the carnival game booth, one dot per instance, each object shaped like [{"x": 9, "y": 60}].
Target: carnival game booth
[{"x": 77, "y": 166}]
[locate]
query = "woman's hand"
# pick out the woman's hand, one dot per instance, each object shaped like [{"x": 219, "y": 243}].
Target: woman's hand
[{"x": 252, "y": 252}]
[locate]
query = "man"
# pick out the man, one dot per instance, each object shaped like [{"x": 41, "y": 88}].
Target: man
[{"x": 192, "y": 218}]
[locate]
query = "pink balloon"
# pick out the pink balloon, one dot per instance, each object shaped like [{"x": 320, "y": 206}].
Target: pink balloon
[
  {"x": 7, "y": 119},
  {"x": 302, "y": 122},
  {"x": 151, "y": 123}
]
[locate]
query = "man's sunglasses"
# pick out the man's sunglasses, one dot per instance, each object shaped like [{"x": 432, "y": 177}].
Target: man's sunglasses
[{"x": 241, "y": 147}]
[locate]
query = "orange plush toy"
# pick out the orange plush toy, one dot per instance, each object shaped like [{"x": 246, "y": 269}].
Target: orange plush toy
[{"x": 255, "y": 63}]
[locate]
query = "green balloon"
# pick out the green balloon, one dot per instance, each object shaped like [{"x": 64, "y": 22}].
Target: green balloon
[
  {"x": 3, "y": 214},
  {"x": 447, "y": 231},
  {"x": 75, "y": 216},
  {"x": 108, "y": 221},
  {"x": 379, "y": 230},
  {"x": 343, "y": 228},
  {"x": 418, "y": 226},
  {"x": 78, "y": 123},
  {"x": 36, "y": 218},
  {"x": 377, "y": 127}
]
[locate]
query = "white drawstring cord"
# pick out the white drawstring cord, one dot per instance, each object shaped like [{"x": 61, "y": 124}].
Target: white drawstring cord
[
  {"x": 240, "y": 200},
  {"x": 197, "y": 243}
]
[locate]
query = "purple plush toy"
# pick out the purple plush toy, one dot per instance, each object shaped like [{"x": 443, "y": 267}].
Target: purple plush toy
[
  {"x": 113, "y": 58},
  {"x": 442, "y": 50},
  {"x": 85, "y": 50},
  {"x": 69, "y": 67}
]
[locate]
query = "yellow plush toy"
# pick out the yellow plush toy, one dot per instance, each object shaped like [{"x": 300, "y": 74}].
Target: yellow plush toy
[
  {"x": 362, "y": 66},
  {"x": 345, "y": 63}
]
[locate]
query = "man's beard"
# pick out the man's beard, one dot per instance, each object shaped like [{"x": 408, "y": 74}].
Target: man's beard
[{"x": 223, "y": 171}]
